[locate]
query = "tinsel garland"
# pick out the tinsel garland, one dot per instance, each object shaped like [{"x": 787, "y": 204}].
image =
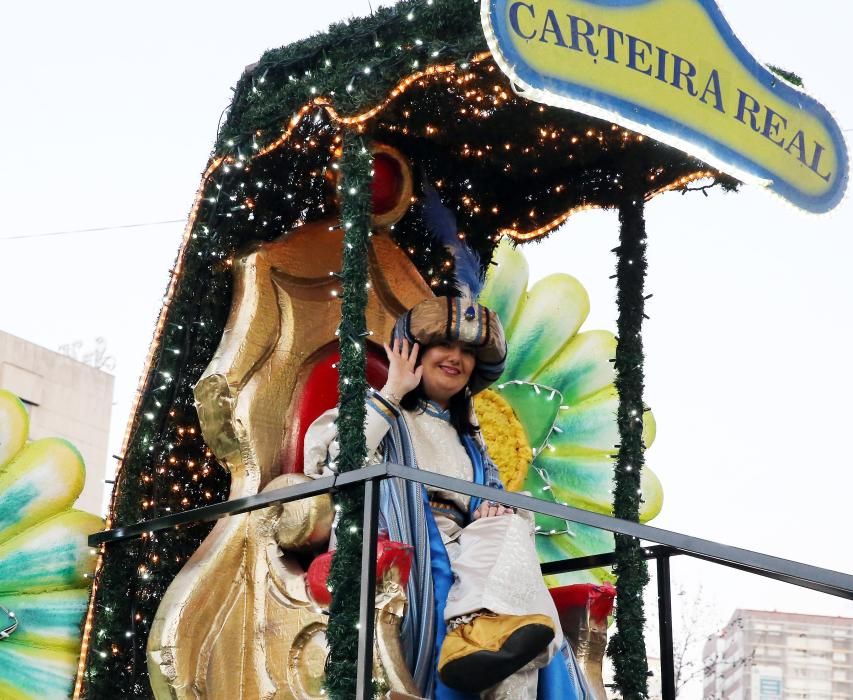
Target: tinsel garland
[
  {"x": 342, "y": 632},
  {"x": 627, "y": 646},
  {"x": 355, "y": 63}
]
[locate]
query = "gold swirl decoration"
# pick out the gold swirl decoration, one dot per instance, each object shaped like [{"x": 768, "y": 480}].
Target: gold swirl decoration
[{"x": 237, "y": 622}]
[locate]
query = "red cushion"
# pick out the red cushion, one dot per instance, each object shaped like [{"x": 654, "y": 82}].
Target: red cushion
[
  {"x": 316, "y": 577},
  {"x": 388, "y": 555},
  {"x": 316, "y": 395},
  {"x": 599, "y": 597}
]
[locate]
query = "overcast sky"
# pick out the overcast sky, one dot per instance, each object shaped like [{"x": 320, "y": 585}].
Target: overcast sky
[{"x": 109, "y": 114}]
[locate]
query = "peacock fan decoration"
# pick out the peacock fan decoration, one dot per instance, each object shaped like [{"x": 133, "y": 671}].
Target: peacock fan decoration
[
  {"x": 550, "y": 420},
  {"x": 45, "y": 563}
]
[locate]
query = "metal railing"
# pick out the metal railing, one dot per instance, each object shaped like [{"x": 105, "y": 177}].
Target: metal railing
[{"x": 666, "y": 545}]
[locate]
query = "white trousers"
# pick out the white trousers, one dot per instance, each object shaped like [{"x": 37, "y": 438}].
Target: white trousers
[{"x": 495, "y": 568}]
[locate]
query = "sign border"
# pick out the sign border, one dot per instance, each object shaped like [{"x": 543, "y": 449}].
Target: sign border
[{"x": 607, "y": 106}]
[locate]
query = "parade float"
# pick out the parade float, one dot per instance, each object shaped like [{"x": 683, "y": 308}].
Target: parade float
[{"x": 309, "y": 236}]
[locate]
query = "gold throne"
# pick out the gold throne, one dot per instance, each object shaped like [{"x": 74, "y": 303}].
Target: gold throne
[{"x": 238, "y": 622}]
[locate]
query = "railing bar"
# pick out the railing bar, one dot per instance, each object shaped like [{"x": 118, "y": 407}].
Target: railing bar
[
  {"x": 239, "y": 505},
  {"x": 805, "y": 575},
  {"x": 595, "y": 561},
  {"x": 833, "y": 582},
  {"x": 804, "y": 582},
  {"x": 284, "y": 495},
  {"x": 367, "y": 598},
  {"x": 196, "y": 515},
  {"x": 565, "y": 566},
  {"x": 517, "y": 500}
]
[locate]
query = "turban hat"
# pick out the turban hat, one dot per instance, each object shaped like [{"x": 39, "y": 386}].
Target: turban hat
[{"x": 458, "y": 319}]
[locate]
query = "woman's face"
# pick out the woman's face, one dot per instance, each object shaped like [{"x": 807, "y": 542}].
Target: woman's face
[{"x": 447, "y": 369}]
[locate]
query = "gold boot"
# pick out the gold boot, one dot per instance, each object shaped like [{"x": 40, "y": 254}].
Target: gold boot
[{"x": 481, "y": 653}]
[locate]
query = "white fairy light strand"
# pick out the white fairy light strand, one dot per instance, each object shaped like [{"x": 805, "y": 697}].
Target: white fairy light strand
[{"x": 543, "y": 473}]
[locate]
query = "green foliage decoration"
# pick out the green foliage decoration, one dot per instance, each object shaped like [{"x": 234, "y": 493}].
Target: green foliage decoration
[
  {"x": 344, "y": 578},
  {"x": 627, "y": 646},
  {"x": 791, "y": 77},
  {"x": 501, "y": 161},
  {"x": 355, "y": 64}
]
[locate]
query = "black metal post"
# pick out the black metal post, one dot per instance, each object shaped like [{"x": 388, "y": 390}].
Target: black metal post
[
  {"x": 367, "y": 599},
  {"x": 667, "y": 665}
]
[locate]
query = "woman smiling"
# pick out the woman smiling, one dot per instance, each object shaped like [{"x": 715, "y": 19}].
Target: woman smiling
[{"x": 480, "y": 621}]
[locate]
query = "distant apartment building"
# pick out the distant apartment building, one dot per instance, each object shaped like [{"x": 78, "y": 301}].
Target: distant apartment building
[
  {"x": 761, "y": 655},
  {"x": 65, "y": 398}
]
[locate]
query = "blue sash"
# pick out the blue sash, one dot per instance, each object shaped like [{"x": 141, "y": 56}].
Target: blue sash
[{"x": 405, "y": 514}]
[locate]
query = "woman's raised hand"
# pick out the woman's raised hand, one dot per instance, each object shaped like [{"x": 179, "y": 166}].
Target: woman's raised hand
[{"x": 403, "y": 372}]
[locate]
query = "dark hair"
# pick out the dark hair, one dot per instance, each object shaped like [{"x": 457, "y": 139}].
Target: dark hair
[{"x": 459, "y": 407}]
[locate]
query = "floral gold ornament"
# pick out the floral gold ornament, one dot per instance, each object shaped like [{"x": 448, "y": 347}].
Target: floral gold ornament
[
  {"x": 45, "y": 563},
  {"x": 550, "y": 420},
  {"x": 282, "y": 322}
]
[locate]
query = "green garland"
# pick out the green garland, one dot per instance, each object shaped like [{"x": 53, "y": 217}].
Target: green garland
[
  {"x": 342, "y": 633},
  {"x": 791, "y": 77},
  {"x": 627, "y": 646},
  {"x": 355, "y": 63}
]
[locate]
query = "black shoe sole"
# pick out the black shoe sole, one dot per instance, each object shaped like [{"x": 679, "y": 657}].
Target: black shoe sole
[{"x": 476, "y": 672}]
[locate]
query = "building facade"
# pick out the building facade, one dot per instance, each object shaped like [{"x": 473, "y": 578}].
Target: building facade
[
  {"x": 67, "y": 399},
  {"x": 761, "y": 655}
]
